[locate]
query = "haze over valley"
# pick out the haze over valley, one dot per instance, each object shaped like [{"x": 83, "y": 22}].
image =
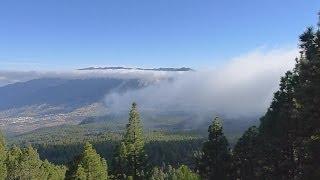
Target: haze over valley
[{"x": 32, "y": 100}]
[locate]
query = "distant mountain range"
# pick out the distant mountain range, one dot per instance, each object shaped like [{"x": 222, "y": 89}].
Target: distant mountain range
[
  {"x": 57, "y": 91},
  {"x": 47, "y": 102},
  {"x": 142, "y": 69}
]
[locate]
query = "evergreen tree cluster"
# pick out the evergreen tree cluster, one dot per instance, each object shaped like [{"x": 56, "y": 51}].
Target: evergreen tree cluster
[
  {"x": 286, "y": 145},
  {"x": 25, "y": 163},
  {"x": 288, "y": 139},
  {"x": 129, "y": 162}
]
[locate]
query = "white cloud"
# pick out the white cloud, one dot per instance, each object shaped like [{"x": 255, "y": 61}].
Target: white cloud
[
  {"x": 8, "y": 77},
  {"x": 242, "y": 87}
]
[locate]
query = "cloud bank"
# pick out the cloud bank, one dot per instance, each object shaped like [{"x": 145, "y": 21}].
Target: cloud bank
[
  {"x": 242, "y": 87},
  {"x": 9, "y": 77}
]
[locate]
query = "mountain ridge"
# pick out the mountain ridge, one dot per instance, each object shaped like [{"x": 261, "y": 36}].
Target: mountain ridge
[{"x": 141, "y": 69}]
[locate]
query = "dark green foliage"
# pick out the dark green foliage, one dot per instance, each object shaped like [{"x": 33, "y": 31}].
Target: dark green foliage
[
  {"x": 181, "y": 173},
  {"x": 280, "y": 130},
  {"x": 308, "y": 97},
  {"x": 131, "y": 156},
  {"x": 160, "y": 147},
  {"x": 288, "y": 141},
  {"x": 52, "y": 172},
  {"x": 246, "y": 155},
  {"x": 3, "y": 152},
  {"x": 26, "y": 164},
  {"x": 158, "y": 174},
  {"x": 91, "y": 166},
  {"x": 215, "y": 158},
  {"x": 13, "y": 162},
  {"x": 174, "y": 152}
]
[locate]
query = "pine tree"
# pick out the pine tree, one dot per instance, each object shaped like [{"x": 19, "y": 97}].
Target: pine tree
[
  {"x": 131, "y": 150},
  {"x": 52, "y": 172},
  {"x": 26, "y": 164},
  {"x": 91, "y": 166},
  {"x": 158, "y": 174},
  {"x": 120, "y": 161},
  {"x": 308, "y": 98},
  {"x": 80, "y": 174},
  {"x": 215, "y": 160},
  {"x": 289, "y": 133},
  {"x": 3, "y": 156},
  {"x": 246, "y": 155},
  {"x": 13, "y": 163},
  {"x": 279, "y": 131},
  {"x": 30, "y": 164},
  {"x": 182, "y": 173}
]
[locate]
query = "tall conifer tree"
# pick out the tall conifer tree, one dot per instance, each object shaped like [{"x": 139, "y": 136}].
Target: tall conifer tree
[
  {"x": 290, "y": 130},
  {"x": 91, "y": 165},
  {"x": 215, "y": 160},
  {"x": 246, "y": 155},
  {"x": 308, "y": 98},
  {"x": 131, "y": 151}
]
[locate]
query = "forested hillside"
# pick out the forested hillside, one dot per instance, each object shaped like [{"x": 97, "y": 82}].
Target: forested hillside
[{"x": 285, "y": 145}]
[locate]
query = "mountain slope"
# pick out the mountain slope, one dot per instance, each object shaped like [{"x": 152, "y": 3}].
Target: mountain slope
[{"x": 55, "y": 91}]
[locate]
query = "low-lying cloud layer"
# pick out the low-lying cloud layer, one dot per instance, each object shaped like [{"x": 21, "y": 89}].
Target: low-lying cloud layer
[
  {"x": 9, "y": 77},
  {"x": 242, "y": 87}
]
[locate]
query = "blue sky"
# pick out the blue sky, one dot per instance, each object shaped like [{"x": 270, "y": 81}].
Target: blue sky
[{"x": 69, "y": 34}]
